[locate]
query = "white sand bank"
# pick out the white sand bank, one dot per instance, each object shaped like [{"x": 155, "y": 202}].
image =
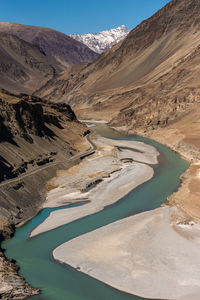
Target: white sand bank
[
  {"x": 107, "y": 192},
  {"x": 117, "y": 179},
  {"x": 141, "y": 255}
]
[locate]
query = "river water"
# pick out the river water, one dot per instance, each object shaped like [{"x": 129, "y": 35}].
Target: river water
[{"x": 59, "y": 282}]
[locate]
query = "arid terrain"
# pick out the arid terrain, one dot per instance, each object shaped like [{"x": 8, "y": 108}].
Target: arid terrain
[
  {"x": 23, "y": 66},
  {"x": 31, "y": 56},
  {"x": 56, "y": 45},
  {"x": 144, "y": 81},
  {"x": 147, "y": 84},
  {"x": 183, "y": 136}
]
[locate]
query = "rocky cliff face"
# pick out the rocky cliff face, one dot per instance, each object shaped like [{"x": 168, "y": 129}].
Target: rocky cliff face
[
  {"x": 24, "y": 119},
  {"x": 99, "y": 42},
  {"x": 36, "y": 139},
  {"x": 54, "y": 44},
  {"x": 9, "y": 272},
  {"x": 28, "y": 117},
  {"x": 148, "y": 79},
  {"x": 21, "y": 119}
]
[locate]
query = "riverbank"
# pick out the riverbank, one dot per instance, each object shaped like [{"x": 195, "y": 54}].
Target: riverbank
[
  {"x": 114, "y": 170},
  {"x": 35, "y": 254},
  {"x": 90, "y": 157},
  {"x": 30, "y": 188},
  {"x": 183, "y": 137},
  {"x": 13, "y": 286}
]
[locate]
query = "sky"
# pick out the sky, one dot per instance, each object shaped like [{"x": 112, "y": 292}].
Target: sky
[{"x": 79, "y": 16}]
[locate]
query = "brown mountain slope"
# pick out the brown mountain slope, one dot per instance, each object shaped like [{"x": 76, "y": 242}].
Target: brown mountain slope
[
  {"x": 33, "y": 133},
  {"x": 55, "y": 44},
  {"x": 147, "y": 79},
  {"x": 23, "y": 66}
]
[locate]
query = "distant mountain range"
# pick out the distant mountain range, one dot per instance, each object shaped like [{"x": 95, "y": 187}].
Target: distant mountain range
[{"x": 103, "y": 40}]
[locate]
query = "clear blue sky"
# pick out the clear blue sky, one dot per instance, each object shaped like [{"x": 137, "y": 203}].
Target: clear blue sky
[{"x": 79, "y": 16}]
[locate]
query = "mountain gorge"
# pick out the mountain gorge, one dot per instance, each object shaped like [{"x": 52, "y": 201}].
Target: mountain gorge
[
  {"x": 37, "y": 137},
  {"x": 31, "y": 56},
  {"x": 144, "y": 81}
]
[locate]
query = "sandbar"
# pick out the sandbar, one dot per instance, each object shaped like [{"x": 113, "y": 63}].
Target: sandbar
[
  {"x": 118, "y": 167},
  {"x": 146, "y": 255}
]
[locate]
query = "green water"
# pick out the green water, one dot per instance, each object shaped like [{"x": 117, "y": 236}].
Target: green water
[{"x": 59, "y": 282}]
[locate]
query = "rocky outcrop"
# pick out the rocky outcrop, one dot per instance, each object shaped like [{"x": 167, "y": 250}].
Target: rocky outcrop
[
  {"x": 21, "y": 119},
  {"x": 154, "y": 114},
  {"x": 24, "y": 118},
  {"x": 28, "y": 117},
  {"x": 12, "y": 285}
]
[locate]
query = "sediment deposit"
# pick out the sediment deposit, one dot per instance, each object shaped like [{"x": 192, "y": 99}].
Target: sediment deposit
[
  {"x": 102, "y": 179},
  {"x": 145, "y": 255}
]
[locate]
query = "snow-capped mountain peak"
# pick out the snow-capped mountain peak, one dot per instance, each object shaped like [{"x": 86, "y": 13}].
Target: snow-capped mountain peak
[{"x": 103, "y": 40}]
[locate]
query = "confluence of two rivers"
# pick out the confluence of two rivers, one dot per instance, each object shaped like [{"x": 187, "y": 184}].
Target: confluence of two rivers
[{"x": 59, "y": 282}]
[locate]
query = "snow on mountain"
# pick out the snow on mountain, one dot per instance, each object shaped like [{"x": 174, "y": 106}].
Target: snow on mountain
[{"x": 103, "y": 40}]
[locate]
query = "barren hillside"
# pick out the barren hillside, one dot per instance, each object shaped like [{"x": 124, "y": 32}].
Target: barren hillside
[
  {"x": 148, "y": 79},
  {"x": 23, "y": 66},
  {"x": 54, "y": 44}
]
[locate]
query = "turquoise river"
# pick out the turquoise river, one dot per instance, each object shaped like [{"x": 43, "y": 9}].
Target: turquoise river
[{"x": 59, "y": 282}]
